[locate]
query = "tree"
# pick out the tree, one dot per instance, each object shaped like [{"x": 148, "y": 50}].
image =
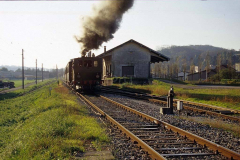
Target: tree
[
  {"x": 171, "y": 69},
  {"x": 184, "y": 66},
  {"x": 207, "y": 64},
  {"x": 4, "y": 69},
  {"x": 168, "y": 69},
  {"x": 18, "y": 70},
  {"x": 160, "y": 69},
  {"x": 219, "y": 63},
  {"x": 200, "y": 65},
  {"x": 229, "y": 57},
  {"x": 155, "y": 70},
  {"x": 176, "y": 65},
  {"x": 192, "y": 66},
  {"x": 224, "y": 74},
  {"x": 165, "y": 70}
]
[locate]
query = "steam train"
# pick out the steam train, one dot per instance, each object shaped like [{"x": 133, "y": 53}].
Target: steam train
[{"x": 84, "y": 73}]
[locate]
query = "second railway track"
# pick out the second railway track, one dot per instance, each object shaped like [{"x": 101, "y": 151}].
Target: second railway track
[
  {"x": 161, "y": 140},
  {"x": 187, "y": 105}
]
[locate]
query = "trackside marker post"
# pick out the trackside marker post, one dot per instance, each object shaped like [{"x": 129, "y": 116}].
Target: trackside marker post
[{"x": 50, "y": 88}]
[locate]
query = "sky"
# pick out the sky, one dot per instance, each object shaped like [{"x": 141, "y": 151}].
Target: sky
[{"x": 45, "y": 30}]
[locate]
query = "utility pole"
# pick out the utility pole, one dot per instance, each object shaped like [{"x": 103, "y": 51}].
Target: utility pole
[
  {"x": 36, "y": 71},
  {"x": 42, "y": 72},
  {"x": 22, "y": 70}
]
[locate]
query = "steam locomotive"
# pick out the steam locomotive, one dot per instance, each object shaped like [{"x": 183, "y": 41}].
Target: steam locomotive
[{"x": 84, "y": 73}]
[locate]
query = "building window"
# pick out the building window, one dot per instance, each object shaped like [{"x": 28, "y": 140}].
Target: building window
[
  {"x": 95, "y": 63},
  {"x": 80, "y": 63},
  {"x": 87, "y": 63}
]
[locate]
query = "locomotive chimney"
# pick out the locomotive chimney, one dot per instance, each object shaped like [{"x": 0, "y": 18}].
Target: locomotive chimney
[
  {"x": 104, "y": 49},
  {"x": 89, "y": 54}
]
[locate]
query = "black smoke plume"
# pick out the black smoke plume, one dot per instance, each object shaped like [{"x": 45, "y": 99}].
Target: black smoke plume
[{"x": 104, "y": 22}]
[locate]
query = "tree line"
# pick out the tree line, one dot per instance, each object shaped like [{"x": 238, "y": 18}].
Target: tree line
[
  {"x": 185, "y": 58},
  {"x": 32, "y": 71}
]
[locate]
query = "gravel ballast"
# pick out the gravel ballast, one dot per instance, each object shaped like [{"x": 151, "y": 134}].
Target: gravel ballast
[{"x": 219, "y": 136}]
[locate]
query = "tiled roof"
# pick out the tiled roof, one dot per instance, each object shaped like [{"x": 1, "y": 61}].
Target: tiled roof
[{"x": 165, "y": 58}]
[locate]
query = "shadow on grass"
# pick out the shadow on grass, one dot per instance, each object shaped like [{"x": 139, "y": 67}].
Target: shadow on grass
[
  {"x": 8, "y": 95},
  {"x": 142, "y": 91},
  {"x": 171, "y": 80},
  {"x": 11, "y": 95}
]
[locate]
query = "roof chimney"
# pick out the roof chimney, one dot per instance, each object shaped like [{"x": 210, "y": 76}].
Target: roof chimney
[{"x": 104, "y": 49}]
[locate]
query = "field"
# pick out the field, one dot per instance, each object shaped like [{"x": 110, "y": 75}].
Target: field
[
  {"x": 40, "y": 125},
  {"x": 19, "y": 82},
  {"x": 228, "y": 98}
]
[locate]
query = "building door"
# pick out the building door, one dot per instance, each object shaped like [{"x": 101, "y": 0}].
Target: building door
[{"x": 127, "y": 71}]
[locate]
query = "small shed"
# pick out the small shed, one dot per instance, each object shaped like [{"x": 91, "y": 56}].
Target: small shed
[{"x": 130, "y": 59}]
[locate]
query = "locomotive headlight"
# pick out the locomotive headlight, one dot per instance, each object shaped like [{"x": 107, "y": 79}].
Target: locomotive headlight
[{"x": 97, "y": 76}]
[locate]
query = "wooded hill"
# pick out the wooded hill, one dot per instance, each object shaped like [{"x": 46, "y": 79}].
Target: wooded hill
[{"x": 191, "y": 54}]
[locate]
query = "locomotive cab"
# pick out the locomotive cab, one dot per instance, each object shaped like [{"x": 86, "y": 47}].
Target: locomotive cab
[{"x": 86, "y": 73}]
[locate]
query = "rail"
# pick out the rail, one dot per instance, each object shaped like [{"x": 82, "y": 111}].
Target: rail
[
  {"x": 160, "y": 100},
  {"x": 213, "y": 146},
  {"x": 152, "y": 153},
  {"x": 200, "y": 111}
]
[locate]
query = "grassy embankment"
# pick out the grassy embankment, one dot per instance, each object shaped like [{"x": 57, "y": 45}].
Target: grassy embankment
[
  {"x": 43, "y": 126},
  {"x": 228, "y": 98},
  {"x": 23, "y": 91}
]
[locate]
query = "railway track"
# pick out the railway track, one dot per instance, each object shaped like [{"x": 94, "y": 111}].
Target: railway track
[
  {"x": 187, "y": 105},
  {"x": 159, "y": 139}
]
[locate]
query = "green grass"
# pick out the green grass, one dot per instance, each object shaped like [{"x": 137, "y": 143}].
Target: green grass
[
  {"x": 18, "y": 83},
  {"x": 3, "y": 89},
  {"x": 43, "y": 126},
  {"x": 23, "y": 91},
  {"x": 228, "y": 98}
]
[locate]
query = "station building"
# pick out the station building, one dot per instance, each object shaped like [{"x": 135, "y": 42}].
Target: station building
[{"x": 130, "y": 59}]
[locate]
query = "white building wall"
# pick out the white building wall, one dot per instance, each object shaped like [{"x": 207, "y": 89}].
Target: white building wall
[
  {"x": 131, "y": 54},
  {"x": 237, "y": 66}
]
